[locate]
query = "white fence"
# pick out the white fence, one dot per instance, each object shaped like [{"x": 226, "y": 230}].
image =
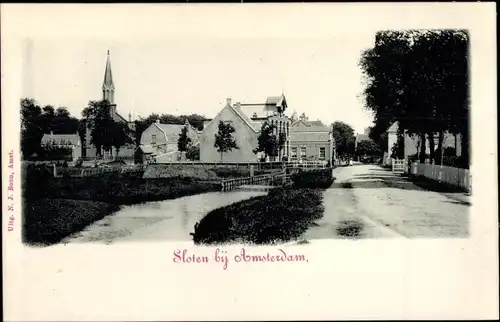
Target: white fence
[{"x": 454, "y": 176}]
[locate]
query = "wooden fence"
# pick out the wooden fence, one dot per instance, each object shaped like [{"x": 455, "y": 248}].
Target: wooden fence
[{"x": 453, "y": 176}]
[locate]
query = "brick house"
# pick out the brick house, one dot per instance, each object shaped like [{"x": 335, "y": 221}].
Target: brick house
[
  {"x": 247, "y": 119},
  {"x": 310, "y": 141}
]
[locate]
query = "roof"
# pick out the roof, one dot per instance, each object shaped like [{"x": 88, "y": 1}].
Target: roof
[
  {"x": 362, "y": 137},
  {"x": 108, "y": 76},
  {"x": 273, "y": 100},
  {"x": 308, "y": 126},
  {"x": 393, "y": 127},
  {"x": 60, "y": 139},
  {"x": 172, "y": 131},
  {"x": 309, "y": 137}
]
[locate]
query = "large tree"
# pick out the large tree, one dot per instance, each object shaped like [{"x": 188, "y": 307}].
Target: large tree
[
  {"x": 419, "y": 78},
  {"x": 100, "y": 124},
  {"x": 343, "y": 134},
  {"x": 367, "y": 147},
  {"x": 36, "y": 121},
  {"x": 224, "y": 140}
]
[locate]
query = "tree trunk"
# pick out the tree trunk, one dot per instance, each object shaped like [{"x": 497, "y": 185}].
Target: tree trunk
[
  {"x": 439, "y": 150},
  {"x": 422, "y": 148},
  {"x": 431, "y": 147},
  {"x": 221, "y": 158}
]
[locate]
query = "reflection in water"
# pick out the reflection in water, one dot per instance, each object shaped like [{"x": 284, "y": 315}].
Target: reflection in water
[{"x": 163, "y": 220}]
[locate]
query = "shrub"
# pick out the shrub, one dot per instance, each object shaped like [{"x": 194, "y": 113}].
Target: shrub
[
  {"x": 321, "y": 178},
  {"x": 282, "y": 215}
]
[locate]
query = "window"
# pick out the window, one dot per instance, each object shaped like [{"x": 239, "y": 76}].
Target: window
[
  {"x": 322, "y": 153},
  {"x": 294, "y": 153},
  {"x": 153, "y": 138},
  {"x": 303, "y": 152}
]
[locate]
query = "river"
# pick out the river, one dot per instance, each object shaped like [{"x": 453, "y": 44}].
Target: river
[{"x": 169, "y": 220}]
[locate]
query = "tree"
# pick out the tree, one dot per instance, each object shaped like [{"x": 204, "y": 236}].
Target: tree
[
  {"x": 294, "y": 117},
  {"x": 343, "y": 134},
  {"x": 367, "y": 147},
  {"x": 120, "y": 135},
  {"x": 267, "y": 141},
  {"x": 100, "y": 124},
  {"x": 62, "y": 112},
  {"x": 31, "y": 132},
  {"x": 224, "y": 140},
  {"x": 303, "y": 117},
  {"x": 184, "y": 140},
  {"x": 36, "y": 121},
  {"x": 193, "y": 152},
  {"x": 420, "y": 79}
]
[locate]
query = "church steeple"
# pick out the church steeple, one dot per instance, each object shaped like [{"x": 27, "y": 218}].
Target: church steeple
[{"x": 108, "y": 87}]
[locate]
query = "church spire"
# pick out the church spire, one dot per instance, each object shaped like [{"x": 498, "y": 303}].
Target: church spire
[{"x": 108, "y": 87}]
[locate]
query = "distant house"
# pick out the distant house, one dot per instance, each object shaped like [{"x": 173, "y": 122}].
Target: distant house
[
  {"x": 362, "y": 137},
  {"x": 247, "y": 119},
  {"x": 412, "y": 143},
  {"x": 159, "y": 138},
  {"x": 311, "y": 141},
  {"x": 71, "y": 141}
]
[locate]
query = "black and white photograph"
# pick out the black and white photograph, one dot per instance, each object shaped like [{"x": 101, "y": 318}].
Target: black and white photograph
[
  {"x": 121, "y": 146},
  {"x": 176, "y": 142}
]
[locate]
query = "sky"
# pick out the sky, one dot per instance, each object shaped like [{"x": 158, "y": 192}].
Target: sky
[{"x": 319, "y": 76}]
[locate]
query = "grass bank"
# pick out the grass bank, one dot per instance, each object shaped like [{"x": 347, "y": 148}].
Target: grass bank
[
  {"x": 47, "y": 221},
  {"x": 282, "y": 215},
  {"x": 54, "y": 208}
]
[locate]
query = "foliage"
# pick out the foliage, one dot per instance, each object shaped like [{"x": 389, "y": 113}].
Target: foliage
[
  {"x": 344, "y": 139},
  {"x": 36, "y": 121},
  {"x": 184, "y": 140},
  {"x": 282, "y": 215},
  {"x": 367, "y": 147},
  {"x": 54, "y": 153},
  {"x": 104, "y": 131},
  {"x": 193, "y": 152},
  {"x": 420, "y": 79},
  {"x": 267, "y": 141},
  {"x": 224, "y": 140},
  {"x": 321, "y": 178}
]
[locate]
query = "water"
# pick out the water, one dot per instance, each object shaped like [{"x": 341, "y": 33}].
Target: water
[{"x": 169, "y": 220}]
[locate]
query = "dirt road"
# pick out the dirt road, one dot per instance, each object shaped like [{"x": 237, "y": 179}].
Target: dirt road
[{"x": 368, "y": 201}]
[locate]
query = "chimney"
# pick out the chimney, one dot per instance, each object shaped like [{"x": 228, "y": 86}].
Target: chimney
[
  {"x": 238, "y": 104},
  {"x": 228, "y": 100},
  {"x": 51, "y": 133},
  {"x": 158, "y": 121}
]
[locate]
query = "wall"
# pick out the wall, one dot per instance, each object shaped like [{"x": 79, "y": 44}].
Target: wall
[
  {"x": 153, "y": 129},
  {"x": 312, "y": 149},
  {"x": 245, "y": 137}
]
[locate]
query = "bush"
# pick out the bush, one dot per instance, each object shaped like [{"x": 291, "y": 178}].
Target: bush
[
  {"x": 320, "y": 178},
  {"x": 282, "y": 215},
  {"x": 47, "y": 221}
]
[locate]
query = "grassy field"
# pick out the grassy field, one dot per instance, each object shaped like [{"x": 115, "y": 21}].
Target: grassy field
[{"x": 282, "y": 215}]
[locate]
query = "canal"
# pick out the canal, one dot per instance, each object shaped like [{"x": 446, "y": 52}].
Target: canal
[{"x": 168, "y": 220}]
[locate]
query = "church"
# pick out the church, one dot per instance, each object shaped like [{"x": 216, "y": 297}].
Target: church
[{"x": 108, "y": 93}]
